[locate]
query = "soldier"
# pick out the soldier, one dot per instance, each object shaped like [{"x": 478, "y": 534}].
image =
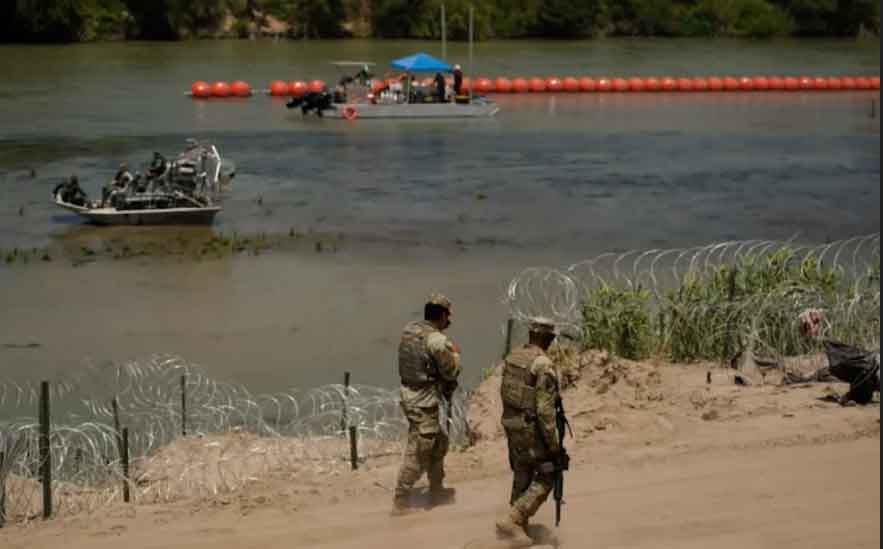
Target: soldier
[
  {"x": 429, "y": 365},
  {"x": 529, "y": 392}
]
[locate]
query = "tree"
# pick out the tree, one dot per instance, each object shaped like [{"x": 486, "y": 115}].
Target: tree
[
  {"x": 320, "y": 18},
  {"x": 568, "y": 18}
]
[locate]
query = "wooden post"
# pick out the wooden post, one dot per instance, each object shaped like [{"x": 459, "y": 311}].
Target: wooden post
[
  {"x": 116, "y": 415},
  {"x": 45, "y": 450},
  {"x": 510, "y": 324},
  {"x": 124, "y": 457},
  {"x": 2, "y": 490},
  {"x": 354, "y": 448},
  {"x": 184, "y": 405},
  {"x": 344, "y": 420}
]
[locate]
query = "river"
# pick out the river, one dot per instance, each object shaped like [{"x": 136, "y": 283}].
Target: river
[{"x": 551, "y": 180}]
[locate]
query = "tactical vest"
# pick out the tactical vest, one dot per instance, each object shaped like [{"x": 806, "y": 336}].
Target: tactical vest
[
  {"x": 519, "y": 390},
  {"x": 416, "y": 366}
]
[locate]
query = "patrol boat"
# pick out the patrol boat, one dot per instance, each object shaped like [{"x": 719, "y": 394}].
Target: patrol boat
[{"x": 185, "y": 191}]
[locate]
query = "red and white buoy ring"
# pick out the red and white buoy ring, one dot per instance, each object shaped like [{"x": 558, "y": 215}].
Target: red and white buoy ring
[{"x": 350, "y": 113}]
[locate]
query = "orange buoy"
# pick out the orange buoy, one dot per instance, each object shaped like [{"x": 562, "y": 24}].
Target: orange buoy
[
  {"x": 503, "y": 85},
  {"x": 715, "y": 83},
  {"x": 835, "y": 83},
  {"x": 668, "y": 84},
  {"x": 700, "y": 84},
  {"x": 201, "y": 90},
  {"x": 484, "y": 85},
  {"x": 297, "y": 88},
  {"x": 746, "y": 83},
  {"x": 684, "y": 84},
  {"x": 220, "y": 89},
  {"x": 537, "y": 85},
  {"x": 587, "y": 84},
  {"x": 240, "y": 89},
  {"x": 652, "y": 84},
  {"x": 571, "y": 84},
  {"x": 278, "y": 88},
  {"x": 820, "y": 83},
  {"x": 520, "y": 85},
  {"x": 605, "y": 85},
  {"x": 317, "y": 86},
  {"x": 636, "y": 84},
  {"x": 806, "y": 83},
  {"x": 848, "y": 83},
  {"x": 731, "y": 84},
  {"x": 862, "y": 83},
  {"x": 554, "y": 85},
  {"x": 776, "y": 83},
  {"x": 791, "y": 83},
  {"x": 466, "y": 87},
  {"x": 620, "y": 85},
  {"x": 875, "y": 82},
  {"x": 761, "y": 83}
]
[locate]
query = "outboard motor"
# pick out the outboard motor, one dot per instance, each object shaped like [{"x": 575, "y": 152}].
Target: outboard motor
[{"x": 312, "y": 101}]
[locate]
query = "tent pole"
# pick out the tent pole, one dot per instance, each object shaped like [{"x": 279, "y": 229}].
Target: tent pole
[{"x": 471, "y": 50}]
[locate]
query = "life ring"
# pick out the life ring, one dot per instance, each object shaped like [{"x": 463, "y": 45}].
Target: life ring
[{"x": 350, "y": 113}]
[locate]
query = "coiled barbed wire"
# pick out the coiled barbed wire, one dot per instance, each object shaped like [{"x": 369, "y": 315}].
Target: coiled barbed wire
[
  {"x": 681, "y": 298},
  {"x": 236, "y": 437}
]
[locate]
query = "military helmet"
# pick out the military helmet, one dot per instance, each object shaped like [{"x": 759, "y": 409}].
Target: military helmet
[
  {"x": 439, "y": 300},
  {"x": 542, "y": 325}
]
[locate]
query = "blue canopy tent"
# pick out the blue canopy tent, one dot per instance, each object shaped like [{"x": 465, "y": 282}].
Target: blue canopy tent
[{"x": 421, "y": 62}]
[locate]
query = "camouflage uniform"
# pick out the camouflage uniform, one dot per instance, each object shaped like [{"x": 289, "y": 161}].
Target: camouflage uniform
[
  {"x": 429, "y": 365},
  {"x": 529, "y": 391}
]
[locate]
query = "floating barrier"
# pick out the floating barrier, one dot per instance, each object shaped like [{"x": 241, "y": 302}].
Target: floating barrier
[{"x": 520, "y": 85}]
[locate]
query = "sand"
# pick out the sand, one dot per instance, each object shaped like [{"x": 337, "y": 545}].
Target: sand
[{"x": 661, "y": 459}]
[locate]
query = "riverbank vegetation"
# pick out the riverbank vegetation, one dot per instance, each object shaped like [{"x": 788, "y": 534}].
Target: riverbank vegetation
[{"x": 89, "y": 20}]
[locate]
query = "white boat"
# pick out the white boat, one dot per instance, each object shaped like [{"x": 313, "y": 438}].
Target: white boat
[
  {"x": 185, "y": 193},
  {"x": 479, "y": 108}
]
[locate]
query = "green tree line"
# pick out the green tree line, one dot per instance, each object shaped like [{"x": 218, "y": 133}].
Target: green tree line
[{"x": 86, "y": 20}]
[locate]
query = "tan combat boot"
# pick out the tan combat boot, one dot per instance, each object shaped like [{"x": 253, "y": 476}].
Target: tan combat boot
[
  {"x": 512, "y": 529},
  {"x": 400, "y": 507}
]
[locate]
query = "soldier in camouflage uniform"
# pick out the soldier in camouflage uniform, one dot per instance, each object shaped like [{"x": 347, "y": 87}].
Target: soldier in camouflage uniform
[
  {"x": 429, "y": 365},
  {"x": 529, "y": 392}
]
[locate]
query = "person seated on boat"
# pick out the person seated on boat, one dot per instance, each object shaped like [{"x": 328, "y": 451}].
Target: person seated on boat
[
  {"x": 158, "y": 166},
  {"x": 458, "y": 80},
  {"x": 440, "y": 87},
  {"x": 340, "y": 94},
  {"x": 71, "y": 192},
  {"x": 139, "y": 183}
]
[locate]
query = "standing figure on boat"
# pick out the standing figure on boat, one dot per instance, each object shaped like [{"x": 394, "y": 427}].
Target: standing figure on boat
[
  {"x": 441, "y": 87},
  {"x": 458, "y": 80},
  {"x": 158, "y": 166}
]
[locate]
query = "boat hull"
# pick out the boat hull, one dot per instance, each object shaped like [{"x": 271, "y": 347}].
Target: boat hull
[
  {"x": 171, "y": 216},
  {"x": 428, "y": 110}
]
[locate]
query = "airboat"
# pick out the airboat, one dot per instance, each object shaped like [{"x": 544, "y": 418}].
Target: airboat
[{"x": 185, "y": 191}]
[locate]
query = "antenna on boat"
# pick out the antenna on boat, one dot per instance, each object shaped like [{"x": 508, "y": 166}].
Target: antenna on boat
[{"x": 444, "y": 34}]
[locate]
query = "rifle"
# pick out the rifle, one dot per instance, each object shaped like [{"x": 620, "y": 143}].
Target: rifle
[{"x": 562, "y": 462}]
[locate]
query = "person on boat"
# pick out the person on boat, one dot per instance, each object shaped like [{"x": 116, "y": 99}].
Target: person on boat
[
  {"x": 158, "y": 166},
  {"x": 440, "y": 87},
  {"x": 458, "y": 80},
  {"x": 71, "y": 192},
  {"x": 364, "y": 75}
]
